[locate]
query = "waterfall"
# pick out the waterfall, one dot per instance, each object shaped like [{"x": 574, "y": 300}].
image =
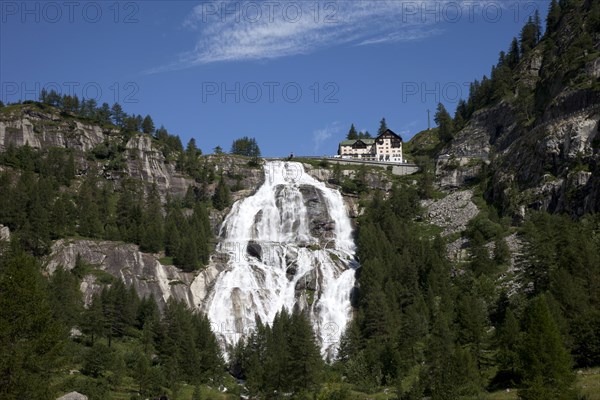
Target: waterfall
[{"x": 288, "y": 245}]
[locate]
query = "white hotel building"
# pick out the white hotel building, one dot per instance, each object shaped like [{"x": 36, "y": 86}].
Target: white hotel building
[{"x": 385, "y": 147}]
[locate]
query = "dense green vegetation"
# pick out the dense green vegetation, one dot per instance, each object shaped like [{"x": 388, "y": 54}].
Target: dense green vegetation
[
  {"x": 282, "y": 358},
  {"x": 424, "y": 326},
  {"x": 42, "y": 201},
  {"x": 431, "y": 328},
  {"x": 245, "y": 147},
  {"x": 441, "y": 330},
  {"x": 126, "y": 342}
]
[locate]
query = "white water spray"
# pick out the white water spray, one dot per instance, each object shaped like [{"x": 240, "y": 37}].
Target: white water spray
[{"x": 275, "y": 261}]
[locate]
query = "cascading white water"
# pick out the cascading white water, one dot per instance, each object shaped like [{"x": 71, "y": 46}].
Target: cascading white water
[{"x": 275, "y": 261}]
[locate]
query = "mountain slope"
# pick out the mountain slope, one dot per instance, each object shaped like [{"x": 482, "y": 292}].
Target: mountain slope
[{"x": 539, "y": 137}]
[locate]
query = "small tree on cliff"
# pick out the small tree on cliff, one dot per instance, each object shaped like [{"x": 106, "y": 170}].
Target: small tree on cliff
[
  {"x": 221, "y": 198},
  {"x": 245, "y": 147}
]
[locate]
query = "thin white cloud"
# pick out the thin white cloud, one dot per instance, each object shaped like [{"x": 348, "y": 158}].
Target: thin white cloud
[
  {"x": 408, "y": 36},
  {"x": 323, "y": 134},
  {"x": 238, "y": 30}
]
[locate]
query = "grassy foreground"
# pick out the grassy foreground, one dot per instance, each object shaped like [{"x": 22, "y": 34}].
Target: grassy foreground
[{"x": 588, "y": 382}]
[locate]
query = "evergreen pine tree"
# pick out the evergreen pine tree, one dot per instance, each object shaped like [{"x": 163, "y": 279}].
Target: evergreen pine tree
[
  {"x": 507, "y": 342},
  {"x": 62, "y": 217},
  {"x": 553, "y": 17},
  {"x": 537, "y": 22},
  {"x": 97, "y": 360},
  {"x": 593, "y": 22},
  {"x": 501, "y": 251},
  {"x": 201, "y": 232},
  {"x": 89, "y": 108},
  {"x": 148, "y": 125},
  {"x": 473, "y": 324},
  {"x": 382, "y": 127},
  {"x": 245, "y": 147},
  {"x": 35, "y": 235},
  {"x": 221, "y": 198},
  {"x": 104, "y": 114},
  {"x": 88, "y": 213},
  {"x": 444, "y": 121},
  {"x": 459, "y": 115},
  {"x": 130, "y": 212},
  {"x": 69, "y": 170},
  {"x": 152, "y": 232},
  {"x": 172, "y": 238},
  {"x": 440, "y": 351},
  {"x": 277, "y": 370},
  {"x": 352, "y": 135},
  {"x": 31, "y": 338},
  {"x": 529, "y": 35},
  {"x": 65, "y": 297},
  {"x": 305, "y": 359},
  {"x": 546, "y": 364},
  {"x": 118, "y": 116},
  {"x": 44, "y": 96},
  {"x": 186, "y": 256},
  {"x": 209, "y": 353},
  {"x": 514, "y": 56}
]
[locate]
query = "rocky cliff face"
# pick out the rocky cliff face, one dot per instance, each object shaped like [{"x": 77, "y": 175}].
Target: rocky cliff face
[
  {"x": 541, "y": 142},
  {"x": 141, "y": 270},
  {"x": 552, "y": 166},
  {"x": 42, "y": 128},
  {"x": 236, "y": 171},
  {"x": 146, "y": 163},
  {"x": 375, "y": 178},
  {"x": 453, "y": 212},
  {"x": 319, "y": 220}
]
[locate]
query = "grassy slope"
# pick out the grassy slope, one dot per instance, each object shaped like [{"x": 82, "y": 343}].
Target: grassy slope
[{"x": 424, "y": 143}]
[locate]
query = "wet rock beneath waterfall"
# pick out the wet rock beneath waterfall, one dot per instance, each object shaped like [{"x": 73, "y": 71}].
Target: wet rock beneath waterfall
[
  {"x": 320, "y": 223},
  {"x": 254, "y": 249},
  {"x": 308, "y": 281},
  {"x": 257, "y": 219},
  {"x": 259, "y": 274},
  {"x": 291, "y": 257},
  {"x": 220, "y": 258},
  {"x": 291, "y": 272},
  {"x": 291, "y": 261}
]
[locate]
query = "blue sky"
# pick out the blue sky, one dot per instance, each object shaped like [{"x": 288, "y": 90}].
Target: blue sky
[{"x": 292, "y": 74}]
